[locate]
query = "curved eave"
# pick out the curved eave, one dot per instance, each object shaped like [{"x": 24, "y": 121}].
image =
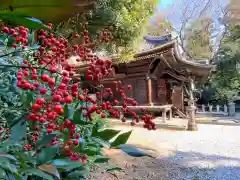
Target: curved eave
[{"x": 156, "y": 49}]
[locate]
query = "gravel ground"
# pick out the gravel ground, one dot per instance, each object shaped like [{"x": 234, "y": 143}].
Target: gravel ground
[{"x": 212, "y": 153}]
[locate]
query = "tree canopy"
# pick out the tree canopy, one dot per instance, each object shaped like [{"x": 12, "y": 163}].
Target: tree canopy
[
  {"x": 124, "y": 18},
  {"x": 227, "y": 76}
]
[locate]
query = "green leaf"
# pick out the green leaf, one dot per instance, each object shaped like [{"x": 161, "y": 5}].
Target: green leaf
[
  {"x": 46, "y": 140},
  {"x": 115, "y": 169},
  {"x": 54, "y": 10},
  {"x": 101, "y": 159},
  {"x": 66, "y": 112},
  {"x": 66, "y": 164},
  {"x": 39, "y": 173},
  {"x": 47, "y": 154},
  {"x": 121, "y": 139},
  {"x": 2, "y": 154},
  {"x": 50, "y": 169},
  {"x": 91, "y": 151},
  {"x": 133, "y": 151},
  {"x": 21, "y": 20},
  {"x": 79, "y": 119},
  {"x": 77, "y": 174},
  {"x": 101, "y": 142},
  {"x": 106, "y": 134},
  {"x": 28, "y": 99},
  {"x": 19, "y": 130}
]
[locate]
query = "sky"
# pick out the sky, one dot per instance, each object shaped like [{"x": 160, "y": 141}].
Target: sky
[{"x": 173, "y": 10}]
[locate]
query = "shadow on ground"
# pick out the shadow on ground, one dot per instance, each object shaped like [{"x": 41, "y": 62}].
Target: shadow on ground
[
  {"x": 179, "y": 166},
  {"x": 198, "y": 166}
]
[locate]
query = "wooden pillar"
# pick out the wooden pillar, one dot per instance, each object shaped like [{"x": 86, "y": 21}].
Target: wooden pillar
[{"x": 149, "y": 90}]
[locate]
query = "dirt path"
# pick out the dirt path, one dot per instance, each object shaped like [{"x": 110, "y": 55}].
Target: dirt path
[{"x": 212, "y": 153}]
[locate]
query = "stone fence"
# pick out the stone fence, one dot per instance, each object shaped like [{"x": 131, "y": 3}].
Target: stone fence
[{"x": 228, "y": 109}]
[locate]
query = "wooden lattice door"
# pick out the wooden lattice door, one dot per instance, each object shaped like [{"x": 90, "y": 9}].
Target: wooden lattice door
[
  {"x": 177, "y": 97},
  {"x": 162, "y": 91}
]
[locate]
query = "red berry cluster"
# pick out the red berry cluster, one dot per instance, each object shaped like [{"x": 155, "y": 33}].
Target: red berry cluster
[
  {"x": 105, "y": 36},
  {"x": 57, "y": 87},
  {"x": 19, "y": 34}
]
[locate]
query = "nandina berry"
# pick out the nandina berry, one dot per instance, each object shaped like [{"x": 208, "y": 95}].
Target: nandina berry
[
  {"x": 57, "y": 98},
  {"x": 81, "y": 98},
  {"x": 42, "y": 120},
  {"x": 43, "y": 91},
  {"x": 5, "y": 29},
  {"x": 58, "y": 109},
  {"x": 40, "y": 101},
  {"x": 36, "y": 107},
  {"x": 76, "y": 35},
  {"x": 76, "y": 142},
  {"x": 102, "y": 115},
  {"x": 129, "y": 87},
  {"x": 49, "y": 131},
  {"x": 45, "y": 78},
  {"x": 68, "y": 99}
]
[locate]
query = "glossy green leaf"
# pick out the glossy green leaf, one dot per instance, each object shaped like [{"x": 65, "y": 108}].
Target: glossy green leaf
[
  {"x": 133, "y": 151},
  {"x": 47, "y": 154},
  {"x": 3, "y": 154},
  {"x": 114, "y": 169},
  {"x": 20, "y": 19},
  {"x": 46, "y": 140},
  {"x": 79, "y": 119},
  {"x": 66, "y": 164},
  {"x": 28, "y": 99},
  {"x": 106, "y": 134},
  {"x": 101, "y": 159},
  {"x": 66, "y": 112},
  {"x": 78, "y": 174},
  {"x": 19, "y": 130},
  {"x": 121, "y": 139},
  {"x": 54, "y": 10},
  {"x": 101, "y": 142},
  {"x": 39, "y": 173},
  {"x": 50, "y": 169}
]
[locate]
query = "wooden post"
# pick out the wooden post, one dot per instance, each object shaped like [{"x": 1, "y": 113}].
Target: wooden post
[{"x": 149, "y": 90}]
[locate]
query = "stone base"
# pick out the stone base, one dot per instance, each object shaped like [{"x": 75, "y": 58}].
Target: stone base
[{"x": 192, "y": 127}]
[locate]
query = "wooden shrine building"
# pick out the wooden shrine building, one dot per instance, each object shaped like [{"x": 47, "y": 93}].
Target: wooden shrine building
[{"x": 160, "y": 74}]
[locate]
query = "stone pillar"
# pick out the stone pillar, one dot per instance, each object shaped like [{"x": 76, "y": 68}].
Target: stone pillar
[
  {"x": 218, "y": 108},
  {"x": 210, "y": 108},
  {"x": 164, "y": 115},
  {"x": 203, "y": 108},
  {"x": 170, "y": 114},
  {"x": 149, "y": 90},
  {"x": 231, "y": 108},
  {"x": 192, "y": 126},
  {"x": 225, "y": 108}
]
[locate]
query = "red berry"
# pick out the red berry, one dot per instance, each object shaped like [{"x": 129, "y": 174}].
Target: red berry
[
  {"x": 43, "y": 91},
  {"x": 40, "y": 101},
  {"x": 36, "y": 107},
  {"x": 5, "y": 29},
  {"x": 76, "y": 142},
  {"x": 129, "y": 87},
  {"x": 102, "y": 115},
  {"x": 76, "y": 35},
  {"x": 68, "y": 99},
  {"x": 58, "y": 109},
  {"x": 45, "y": 78}
]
